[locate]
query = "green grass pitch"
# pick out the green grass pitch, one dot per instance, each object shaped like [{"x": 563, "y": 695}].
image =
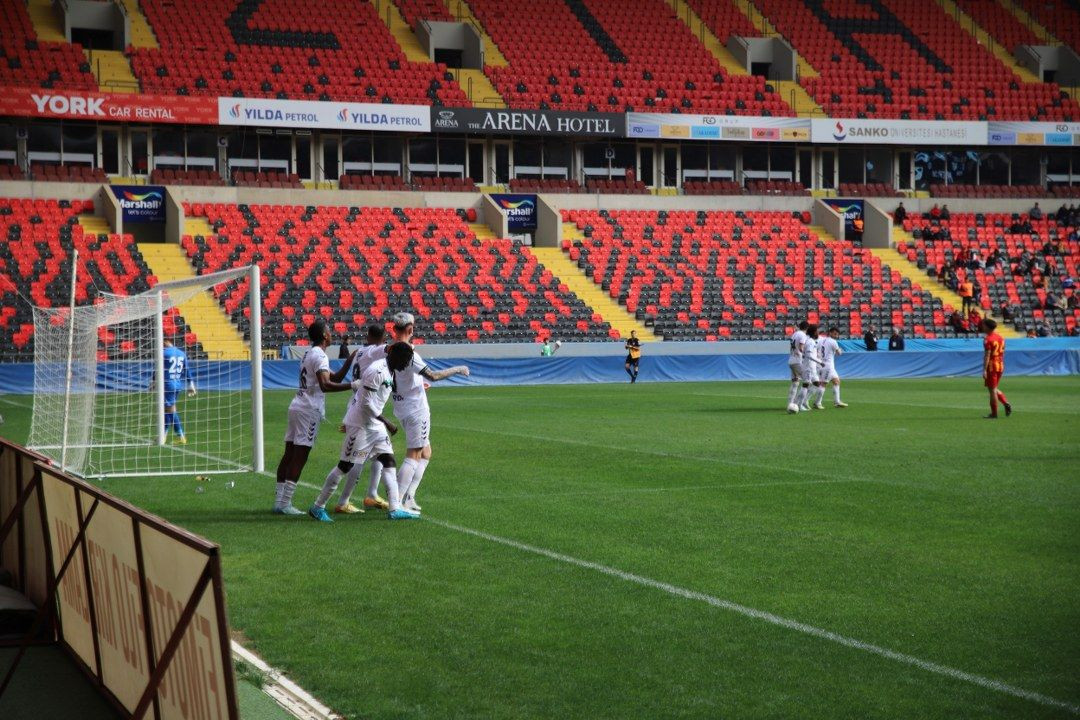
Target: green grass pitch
[{"x": 645, "y": 551}]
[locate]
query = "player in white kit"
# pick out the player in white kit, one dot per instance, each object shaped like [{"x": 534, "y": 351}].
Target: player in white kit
[
  {"x": 374, "y": 350},
  {"x": 306, "y": 411},
  {"x": 367, "y": 434},
  {"x": 796, "y": 341},
  {"x": 809, "y": 367},
  {"x": 829, "y": 348},
  {"x": 411, "y": 405}
]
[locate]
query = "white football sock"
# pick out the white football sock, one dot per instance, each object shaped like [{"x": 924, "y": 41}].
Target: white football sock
[
  {"x": 421, "y": 466},
  {"x": 278, "y": 493},
  {"x": 836, "y": 392},
  {"x": 350, "y": 483},
  {"x": 287, "y": 492},
  {"x": 819, "y": 393},
  {"x": 329, "y": 486},
  {"x": 800, "y": 400},
  {"x": 793, "y": 391},
  {"x": 389, "y": 478},
  {"x": 373, "y": 481},
  {"x": 405, "y": 477}
]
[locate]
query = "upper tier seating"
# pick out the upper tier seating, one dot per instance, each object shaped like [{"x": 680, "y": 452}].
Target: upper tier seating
[
  {"x": 649, "y": 61},
  {"x": 11, "y": 172},
  {"x": 284, "y": 49},
  {"x": 548, "y": 185},
  {"x": 168, "y": 176},
  {"x": 617, "y": 186},
  {"x": 35, "y": 263},
  {"x": 743, "y": 276},
  {"x": 373, "y": 182},
  {"x": 1061, "y": 19},
  {"x": 416, "y": 10},
  {"x": 723, "y": 18},
  {"x": 987, "y": 191},
  {"x": 1001, "y": 24},
  {"x": 1013, "y": 282},
  {"x": 775, "y": 187},
  {"x": 443, "y": 184},
  {"x": 67, "y": 173},
  {"x": 25, "y": 60},
  {"x": 266, "y": 179},
  {"x": 868, "y": 190},
  {"x": 939, "y": 72},
  {"x": 712, "y": 187},
  {"x": 357, "y": 266}
]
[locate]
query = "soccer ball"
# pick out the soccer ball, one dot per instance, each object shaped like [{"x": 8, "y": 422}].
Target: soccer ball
[
  {"x": 558, "y": 343},
  {"x": 792, "y": 409}
]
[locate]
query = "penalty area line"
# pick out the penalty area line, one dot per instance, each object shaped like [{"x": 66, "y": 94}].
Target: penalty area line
[{"x": 770, "y": 618}]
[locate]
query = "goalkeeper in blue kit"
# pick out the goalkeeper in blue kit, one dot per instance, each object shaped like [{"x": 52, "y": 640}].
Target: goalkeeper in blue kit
[{"x": 176, "y": 372}]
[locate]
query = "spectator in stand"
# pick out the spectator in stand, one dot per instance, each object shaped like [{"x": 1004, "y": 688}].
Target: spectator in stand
[
  {"x": 945, "y": 214},
  {"x": 1044, "y": 330},
  {"x": 976, "y": 293},
  {"x": 1050, "y": 248},
  {"x": 952, "y": 281},
  {"x": 896, "y": 341},
  {"x": 870, "y": 339},
  {"x": 935, "y": 212},
  {"x": 343, "y": 351},
  {"x": 1067, "y": 283},
  {"x": 1061, "y": 217},
  {"x": 900, "y": 214},
  {"x": 1031, "y": 332},
  {"x": 974, "y": 320},
  {"x": 1006, "y": 312},
  {"x": 994, "y": 257},
  {"x": 957, "y": 322},
  {"x": 1036, "y": 212},
  {"x": 1054, "y": 302},
  {"x": 967, "y": 293}
]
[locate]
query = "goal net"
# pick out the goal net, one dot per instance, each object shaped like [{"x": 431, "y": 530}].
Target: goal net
[{"x": 126, "y": 387}]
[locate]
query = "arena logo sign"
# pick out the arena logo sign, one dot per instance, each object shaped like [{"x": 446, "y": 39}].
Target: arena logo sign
[
  {"x": 529, "y": 122},
  {"x": 140, "y": 203}
]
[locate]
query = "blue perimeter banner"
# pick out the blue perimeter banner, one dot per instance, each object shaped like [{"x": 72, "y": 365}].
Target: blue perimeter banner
[
  {"x": 18, "y": 378},
  {"x": 141, "y": 203},
  {"x": 520, "y": 210}
]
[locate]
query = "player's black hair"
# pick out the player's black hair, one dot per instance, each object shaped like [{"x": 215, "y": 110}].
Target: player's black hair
[
  {"x": 803, "y": 325},
  {"x": 833, "y": 329},
  {"x": 399, "y": 355},
  {"x": 376, "y": 333},
  {"x": 989, "y": 324},
  {"x": 316, "y": 330},
  {"x": 811, "y": 330}
]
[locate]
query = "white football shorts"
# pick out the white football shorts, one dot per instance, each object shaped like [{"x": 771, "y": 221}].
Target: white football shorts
[
  {"x": 303, "y": 427},
  {"x": 810, "y": 373},
  {"x": 361, "y": 443},
  {"x": 796, "y": 370},
  {"x": 417, "y": 430},
  {"x": 828, "y": 373}
]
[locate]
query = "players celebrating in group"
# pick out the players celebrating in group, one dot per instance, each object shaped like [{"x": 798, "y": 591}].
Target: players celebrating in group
[
  {"x": 812, "y": 361},
  {"x": 380, "y": 372}
]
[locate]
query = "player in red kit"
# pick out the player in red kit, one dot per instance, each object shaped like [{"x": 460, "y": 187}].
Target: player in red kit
[{"x": 993, "y": 367}]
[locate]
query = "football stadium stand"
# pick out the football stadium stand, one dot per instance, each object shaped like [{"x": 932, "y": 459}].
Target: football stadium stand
[
  {"x": 39, "y": 236},
  {"x": 1033, "y": 262},
  {"x": 742, "y": 275},
  {"x": 339, "y": 51},
  {"x": 907, "y": 59},
  {"x": 1060, "y": 19},
  {"x": 356, "y": 266},
  {"x": 612, "y": 56},
  {"x": 26, "y": 59}
]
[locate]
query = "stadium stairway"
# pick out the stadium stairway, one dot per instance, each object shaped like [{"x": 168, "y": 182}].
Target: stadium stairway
[
  {"x": 712, "y": 43},
  {"x": 112, "y": 70},
  {"x": 895, "y": 260},
  {"x": 482, "y": 231},
  {"x": 478, "y": 88},
  {"x": 219, "y": 337},
  {"x": 555, "y": 260},
  {"x": 406, "y": 39},
  {"x": 94, "y": 225},
  {"x": 492, "y": 54},
  {"x": 142, "y": 35},
  {"x": 1029, "y": 22},
  {"x": 46, "y": 24},
  {"x": 968, "y": 23},
  {"x": 767, "y": 29}
]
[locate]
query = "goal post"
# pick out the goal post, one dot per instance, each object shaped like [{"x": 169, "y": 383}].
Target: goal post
[{"x": 126, "y": 387}]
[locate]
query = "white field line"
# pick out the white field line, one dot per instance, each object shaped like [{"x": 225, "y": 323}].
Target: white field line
[
  {"x": 290, "y": 696},
  {"x": 770, "y": 618},
  {"x": 763, "y": 615}
]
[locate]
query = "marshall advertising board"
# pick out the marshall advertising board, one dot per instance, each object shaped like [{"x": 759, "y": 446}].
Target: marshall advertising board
[
  {"x": 528, "y": 122},
  {"x": 141, "y": 203}
]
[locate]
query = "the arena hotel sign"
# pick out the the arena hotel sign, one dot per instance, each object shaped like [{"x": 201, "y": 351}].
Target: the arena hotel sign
[{"x": 346, "y": 116}]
